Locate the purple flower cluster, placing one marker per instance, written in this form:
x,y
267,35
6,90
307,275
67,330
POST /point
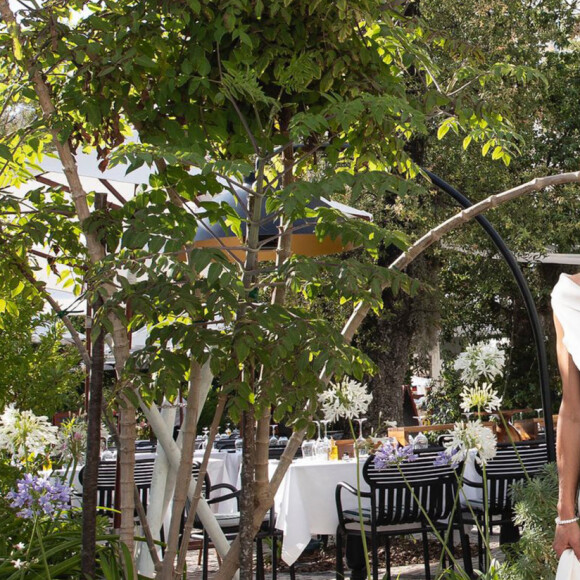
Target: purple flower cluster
x,y
36,495
389,455
446,457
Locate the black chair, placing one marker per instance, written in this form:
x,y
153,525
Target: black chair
x,y
145,446
513,462
230,525
107,478
394,511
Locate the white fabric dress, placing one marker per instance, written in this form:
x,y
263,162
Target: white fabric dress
x,y
566,307
568,567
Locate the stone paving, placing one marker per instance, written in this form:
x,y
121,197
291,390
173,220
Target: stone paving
x,y
415,571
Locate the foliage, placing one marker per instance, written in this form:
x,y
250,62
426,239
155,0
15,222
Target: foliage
x,y
535,506
232,88
56,554
37,372
41,532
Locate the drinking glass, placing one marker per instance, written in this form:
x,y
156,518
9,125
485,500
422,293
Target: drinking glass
x,y
273,439
308,449
361,441
323,448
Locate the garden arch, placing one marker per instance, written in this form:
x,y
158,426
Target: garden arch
x,y
529,303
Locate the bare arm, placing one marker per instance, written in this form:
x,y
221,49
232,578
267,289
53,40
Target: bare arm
x,y
568,448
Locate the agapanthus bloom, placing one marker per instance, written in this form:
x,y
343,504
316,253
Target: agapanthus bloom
x,y
388,455
482,360
37,495
72,439
445,457
467,436
24,434
482,398
348,399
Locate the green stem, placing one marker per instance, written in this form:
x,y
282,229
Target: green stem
x,y
21,571
41,544
429,521
486,513
359,503
505,426
468,504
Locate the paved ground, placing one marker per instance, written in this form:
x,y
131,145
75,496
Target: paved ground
x,y
416,571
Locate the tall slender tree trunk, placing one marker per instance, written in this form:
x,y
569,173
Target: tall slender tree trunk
x,y
90,475
248,433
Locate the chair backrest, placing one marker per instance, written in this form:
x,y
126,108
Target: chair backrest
x,y
143,478
195,467
107,477
512,463
392,502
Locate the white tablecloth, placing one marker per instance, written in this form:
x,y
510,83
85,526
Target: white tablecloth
x,y
221,468
231,461
305,503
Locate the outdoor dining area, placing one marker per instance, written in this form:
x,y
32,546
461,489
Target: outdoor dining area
x,y
336,487
289,288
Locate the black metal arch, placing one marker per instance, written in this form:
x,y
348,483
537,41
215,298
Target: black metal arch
x,y
530,307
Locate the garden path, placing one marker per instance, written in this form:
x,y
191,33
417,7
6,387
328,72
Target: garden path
x,y
409,572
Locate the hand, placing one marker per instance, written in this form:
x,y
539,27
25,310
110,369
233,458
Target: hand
x,y
567,536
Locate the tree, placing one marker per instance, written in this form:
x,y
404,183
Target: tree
x,y
231,88
37,371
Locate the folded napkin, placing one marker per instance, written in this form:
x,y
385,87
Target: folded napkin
x,y
568,567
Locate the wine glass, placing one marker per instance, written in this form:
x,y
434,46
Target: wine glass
x,y
273,439
318,425
325,422
541,426
361,441
323,443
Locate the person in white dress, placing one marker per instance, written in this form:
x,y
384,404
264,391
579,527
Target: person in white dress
x,y
566,308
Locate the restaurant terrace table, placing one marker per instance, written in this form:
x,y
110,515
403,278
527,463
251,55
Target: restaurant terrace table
x,y
305,502
231,461
221,468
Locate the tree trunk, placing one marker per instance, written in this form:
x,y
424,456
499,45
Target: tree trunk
x,y
389,339
246,535
90,475
188,432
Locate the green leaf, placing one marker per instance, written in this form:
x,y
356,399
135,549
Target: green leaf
x,y
5,152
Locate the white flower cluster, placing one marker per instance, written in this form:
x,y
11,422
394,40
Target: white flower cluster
x,y
482,360
471,435
348,399
24,434
72,439
482,398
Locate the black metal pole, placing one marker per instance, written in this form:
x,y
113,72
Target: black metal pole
x,y
530,307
